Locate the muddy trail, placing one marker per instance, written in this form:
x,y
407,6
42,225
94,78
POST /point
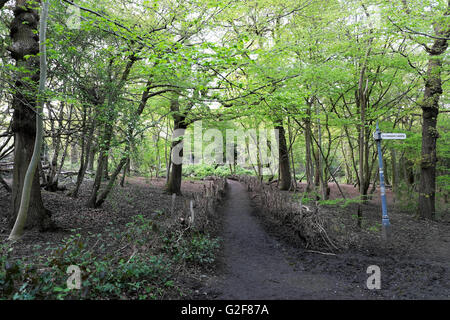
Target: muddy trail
x,y
257,264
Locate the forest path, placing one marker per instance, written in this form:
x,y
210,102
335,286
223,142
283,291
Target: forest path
x,y
256,265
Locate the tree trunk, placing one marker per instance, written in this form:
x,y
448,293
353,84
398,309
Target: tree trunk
x,y
283,155
291,149
85,154
308,144
96,200
97,182
106,166
174,183
25,42
126,169
430,108
92,150
316,167
321,160
52,183
387,180
104,194
73,153
348,172
394,169
99,174
179,120
158,156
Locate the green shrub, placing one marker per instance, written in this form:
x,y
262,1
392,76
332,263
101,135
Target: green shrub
x,y
198,249
202,171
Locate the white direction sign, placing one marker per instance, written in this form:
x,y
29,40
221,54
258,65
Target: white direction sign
x,y
393,136
390,136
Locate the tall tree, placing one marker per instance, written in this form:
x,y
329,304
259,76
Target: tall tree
x,y
430,111
422,28
24,50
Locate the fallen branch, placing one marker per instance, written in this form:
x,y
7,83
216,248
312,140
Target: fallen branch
x,y
324,253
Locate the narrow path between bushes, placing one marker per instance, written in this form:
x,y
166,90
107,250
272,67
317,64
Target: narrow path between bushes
x,y
256,266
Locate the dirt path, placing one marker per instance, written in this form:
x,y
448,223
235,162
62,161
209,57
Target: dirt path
x,y
256,265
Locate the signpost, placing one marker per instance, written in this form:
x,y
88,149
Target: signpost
x,y
378,136
393,136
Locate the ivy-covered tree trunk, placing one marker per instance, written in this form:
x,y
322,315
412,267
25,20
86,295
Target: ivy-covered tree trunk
x,y
25,43
430,108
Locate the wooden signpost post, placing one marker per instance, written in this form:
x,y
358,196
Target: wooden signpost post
x,y
378,136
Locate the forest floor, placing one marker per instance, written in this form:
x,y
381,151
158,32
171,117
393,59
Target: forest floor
x,y
140,196
260,258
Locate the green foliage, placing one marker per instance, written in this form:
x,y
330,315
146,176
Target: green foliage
x,y
375,228
443,165
202,171
114,264
289,62
340,201
196,249
406,199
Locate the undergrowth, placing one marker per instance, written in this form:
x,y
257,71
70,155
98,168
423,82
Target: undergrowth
x,y
140,262
202,171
